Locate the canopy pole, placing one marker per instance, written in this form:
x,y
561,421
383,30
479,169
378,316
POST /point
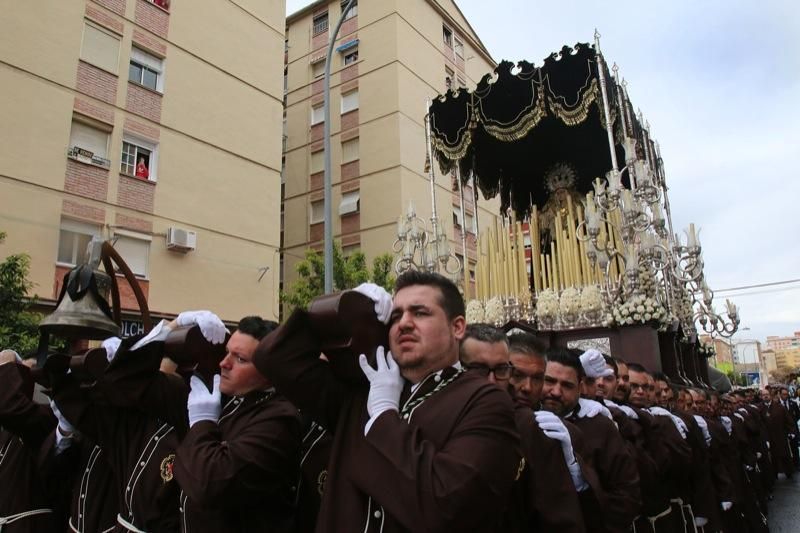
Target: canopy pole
x,y
431,176
606,108
465,254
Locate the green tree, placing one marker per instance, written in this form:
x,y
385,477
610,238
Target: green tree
x,y
18,324
348,272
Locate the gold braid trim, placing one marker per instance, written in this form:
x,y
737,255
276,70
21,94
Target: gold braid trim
x,y
576,115
520,128
451,152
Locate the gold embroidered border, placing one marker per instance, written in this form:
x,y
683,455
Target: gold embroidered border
x,y
522,127
576,115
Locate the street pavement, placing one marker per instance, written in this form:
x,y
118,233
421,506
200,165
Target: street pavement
x,y
784,509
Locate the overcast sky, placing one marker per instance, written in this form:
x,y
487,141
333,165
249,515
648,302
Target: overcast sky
x,y
719,82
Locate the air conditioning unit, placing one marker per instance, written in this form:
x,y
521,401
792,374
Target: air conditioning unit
x,y
181,240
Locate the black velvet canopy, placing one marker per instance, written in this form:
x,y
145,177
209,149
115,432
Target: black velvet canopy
x,y
526,131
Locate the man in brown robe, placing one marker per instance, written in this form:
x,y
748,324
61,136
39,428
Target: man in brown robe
x,y
780,427
545,495
26,504
608,452
423,446
237,459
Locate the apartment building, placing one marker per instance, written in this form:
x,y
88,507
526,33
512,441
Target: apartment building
x,y
155,123
389,57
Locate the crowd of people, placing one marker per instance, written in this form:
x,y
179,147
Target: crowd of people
x,y
454,427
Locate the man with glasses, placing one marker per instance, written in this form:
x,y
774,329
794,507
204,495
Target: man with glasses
x,y
545,495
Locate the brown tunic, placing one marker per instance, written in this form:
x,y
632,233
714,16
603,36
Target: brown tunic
x,y
442,465
94,495
543,497
140,449
239,474
24,431
620,499
779,426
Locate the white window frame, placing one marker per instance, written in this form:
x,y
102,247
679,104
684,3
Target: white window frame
x,y
148,61
318,64
317,27
350,204
320,216
83,153
75,228
345,99
353,10
447,39
351,142
349,54
311,162
458,46
319,111
141,238
114,68
146,145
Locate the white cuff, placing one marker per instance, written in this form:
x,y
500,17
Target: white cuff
x,y
62,441
577,477
158,333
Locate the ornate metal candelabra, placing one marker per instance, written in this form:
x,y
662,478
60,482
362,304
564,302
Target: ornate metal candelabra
x,y
422,249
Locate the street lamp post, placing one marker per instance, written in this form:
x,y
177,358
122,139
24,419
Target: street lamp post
x,y
326,144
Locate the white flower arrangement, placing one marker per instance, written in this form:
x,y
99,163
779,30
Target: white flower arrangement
x,y
647,281
591,299
547,305
495,312
475,312
639,309
570,302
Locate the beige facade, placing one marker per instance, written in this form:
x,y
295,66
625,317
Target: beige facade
x,y
390,57
787,358
775,342
125,118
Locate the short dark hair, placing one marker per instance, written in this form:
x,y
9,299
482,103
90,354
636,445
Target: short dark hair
x,y
484,333
636,367
612,363
256,327
566,357
660,376
451,301
526,343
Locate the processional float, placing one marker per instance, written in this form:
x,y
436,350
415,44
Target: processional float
x,y
586,252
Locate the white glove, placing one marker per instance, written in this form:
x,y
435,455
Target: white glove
x,y
554,428
385,383
726,506
591,408
679,424
700,521
629,412
111,346
742,410
704,428
382,299
202,404
7,356
210,324
740,417
767,443
594,365
726,421
758,454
